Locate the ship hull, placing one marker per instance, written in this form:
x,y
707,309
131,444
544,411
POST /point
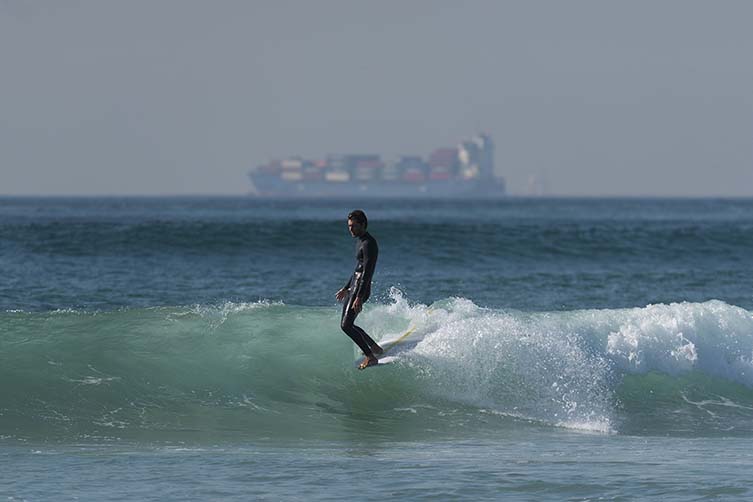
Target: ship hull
x,y
273,187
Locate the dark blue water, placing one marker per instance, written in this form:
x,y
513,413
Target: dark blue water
x,y
104,254
563,349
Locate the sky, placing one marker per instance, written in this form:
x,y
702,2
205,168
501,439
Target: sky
x,y
163,97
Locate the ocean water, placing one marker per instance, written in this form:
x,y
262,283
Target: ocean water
x,y
562,349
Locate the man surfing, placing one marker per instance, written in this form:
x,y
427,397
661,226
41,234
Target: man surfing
x,y
358,288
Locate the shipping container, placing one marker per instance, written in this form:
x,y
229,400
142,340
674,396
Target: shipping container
x,y
293,164
309,167
369,164
292,176
364,174
391,172
414,176
444,157
439,175
337,176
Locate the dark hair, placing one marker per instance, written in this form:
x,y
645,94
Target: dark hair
x,y
359,216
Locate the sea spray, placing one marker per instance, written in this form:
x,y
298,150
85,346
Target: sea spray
x,y
516,364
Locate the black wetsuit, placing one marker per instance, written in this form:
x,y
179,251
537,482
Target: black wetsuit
x,y
359,286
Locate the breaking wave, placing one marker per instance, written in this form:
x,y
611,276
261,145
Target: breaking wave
x,y
270,370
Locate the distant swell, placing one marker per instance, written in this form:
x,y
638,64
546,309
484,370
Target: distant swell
x,y
515,240
264,370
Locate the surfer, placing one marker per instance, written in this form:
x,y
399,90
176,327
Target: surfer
x,y
358,288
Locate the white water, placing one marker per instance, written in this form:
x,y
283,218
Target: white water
x,y
563,368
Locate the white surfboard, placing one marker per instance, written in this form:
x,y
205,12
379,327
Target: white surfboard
x,y
387,360
389,346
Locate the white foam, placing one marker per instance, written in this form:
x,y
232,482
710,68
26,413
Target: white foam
x,y
92,380
563,368
711,337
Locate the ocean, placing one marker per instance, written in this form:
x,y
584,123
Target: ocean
x,y
562,349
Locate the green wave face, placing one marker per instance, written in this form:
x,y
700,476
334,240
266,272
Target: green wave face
x,y
272,371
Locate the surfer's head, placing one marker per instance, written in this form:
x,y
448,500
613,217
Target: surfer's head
x,y
357,223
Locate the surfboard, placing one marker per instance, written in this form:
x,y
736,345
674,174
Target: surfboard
x,y
392,347
388,345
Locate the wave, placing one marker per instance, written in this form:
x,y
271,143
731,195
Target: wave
x,y
270,370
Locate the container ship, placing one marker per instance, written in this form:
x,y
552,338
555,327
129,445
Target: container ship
x,y
464,171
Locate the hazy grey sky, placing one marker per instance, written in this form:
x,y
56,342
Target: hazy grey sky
x,y
178,96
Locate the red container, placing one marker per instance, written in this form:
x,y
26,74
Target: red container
x,y
443,157
414,176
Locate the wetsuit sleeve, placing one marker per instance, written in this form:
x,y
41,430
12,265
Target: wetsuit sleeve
x,y
370,252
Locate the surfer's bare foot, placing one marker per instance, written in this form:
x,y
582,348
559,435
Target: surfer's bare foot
x,y
368,361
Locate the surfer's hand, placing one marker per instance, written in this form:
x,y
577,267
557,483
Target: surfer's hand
x,y
341,294
357,305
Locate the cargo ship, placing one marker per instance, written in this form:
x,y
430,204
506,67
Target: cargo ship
x,y
463,171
